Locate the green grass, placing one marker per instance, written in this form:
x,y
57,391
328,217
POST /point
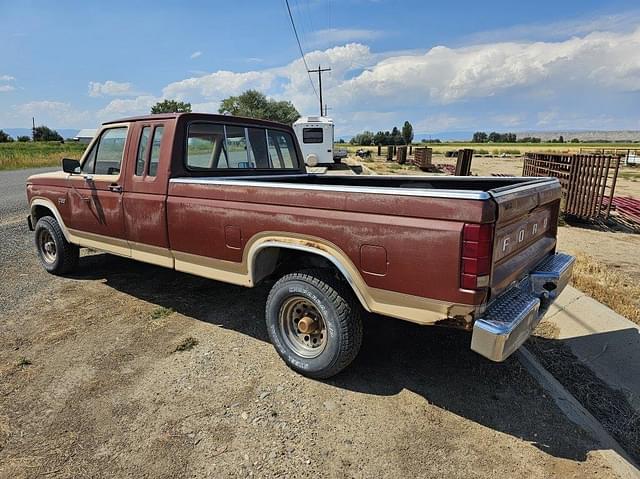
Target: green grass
x,y
22,362
630,175
17,155
161,312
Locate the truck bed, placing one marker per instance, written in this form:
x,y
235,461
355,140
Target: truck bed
x,y
476,184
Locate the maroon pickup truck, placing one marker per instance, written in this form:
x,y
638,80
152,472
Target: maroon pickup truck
x,y
229,199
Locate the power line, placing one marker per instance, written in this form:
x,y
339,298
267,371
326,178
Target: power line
x,y
304,60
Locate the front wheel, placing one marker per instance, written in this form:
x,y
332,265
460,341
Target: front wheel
x,y
56,254
314,322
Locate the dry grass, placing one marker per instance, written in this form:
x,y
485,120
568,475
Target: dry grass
x,y
32,155
609,406
608,286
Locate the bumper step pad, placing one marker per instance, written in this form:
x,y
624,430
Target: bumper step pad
x,y
509,319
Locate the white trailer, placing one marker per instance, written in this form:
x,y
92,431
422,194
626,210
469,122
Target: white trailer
x,y
315,135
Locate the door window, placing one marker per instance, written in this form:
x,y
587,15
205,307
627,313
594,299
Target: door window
x,y
109,151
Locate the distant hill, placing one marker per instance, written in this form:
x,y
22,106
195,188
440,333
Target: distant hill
x,y
64,132
584,135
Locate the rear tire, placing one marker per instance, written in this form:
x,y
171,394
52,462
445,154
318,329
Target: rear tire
x,y
314,322
56,254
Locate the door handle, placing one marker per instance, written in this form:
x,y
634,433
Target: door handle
x,y
116,188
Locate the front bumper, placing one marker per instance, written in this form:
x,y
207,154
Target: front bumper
x,y
511,317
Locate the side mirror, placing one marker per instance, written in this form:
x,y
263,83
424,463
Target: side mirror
x,y
70,166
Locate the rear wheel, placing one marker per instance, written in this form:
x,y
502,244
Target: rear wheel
x,y
314,322
56,254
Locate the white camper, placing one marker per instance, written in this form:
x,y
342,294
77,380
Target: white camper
x,y
315,135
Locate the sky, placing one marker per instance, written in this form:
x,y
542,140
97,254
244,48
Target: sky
x,y
444,66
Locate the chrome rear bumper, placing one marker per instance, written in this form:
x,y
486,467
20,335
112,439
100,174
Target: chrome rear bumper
x,y
511,317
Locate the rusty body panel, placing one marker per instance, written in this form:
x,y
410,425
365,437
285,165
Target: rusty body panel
x,y
398,241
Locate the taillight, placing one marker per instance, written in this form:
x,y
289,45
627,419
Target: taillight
x,y
476,255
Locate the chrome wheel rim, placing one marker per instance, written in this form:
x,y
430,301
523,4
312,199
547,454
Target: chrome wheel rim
x,y
302,327
47,246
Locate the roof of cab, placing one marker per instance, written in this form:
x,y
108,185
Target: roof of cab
x,y
198,116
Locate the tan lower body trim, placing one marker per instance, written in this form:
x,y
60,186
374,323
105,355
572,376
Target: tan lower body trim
x,y
212,268
152,254
389,303
103,243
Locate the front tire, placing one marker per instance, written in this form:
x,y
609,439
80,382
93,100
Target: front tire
x,y
56,254
314,322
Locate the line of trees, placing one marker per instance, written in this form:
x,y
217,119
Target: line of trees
x,y
40,133
396,136
495,137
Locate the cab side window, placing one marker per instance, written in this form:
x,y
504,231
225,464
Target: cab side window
x,y
142,150
155,151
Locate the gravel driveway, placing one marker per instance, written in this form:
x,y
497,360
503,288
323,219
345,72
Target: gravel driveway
x,y
129,370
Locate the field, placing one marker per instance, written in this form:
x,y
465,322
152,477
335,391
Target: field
x,y
31,155
497,149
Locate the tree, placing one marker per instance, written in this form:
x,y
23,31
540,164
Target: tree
x,y
575,140
363,139
560,139
480,137
407,133
5,138
255,104
171,106
44,133
23,139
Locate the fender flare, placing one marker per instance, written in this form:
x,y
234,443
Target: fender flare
x,y
56,214
256,248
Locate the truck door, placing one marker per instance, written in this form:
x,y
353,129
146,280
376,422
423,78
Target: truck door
x,y
95,196
145,192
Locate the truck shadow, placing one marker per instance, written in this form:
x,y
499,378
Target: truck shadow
x,y
434,363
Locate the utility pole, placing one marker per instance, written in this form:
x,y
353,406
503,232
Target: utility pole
x,y
326,110
319,72
33,128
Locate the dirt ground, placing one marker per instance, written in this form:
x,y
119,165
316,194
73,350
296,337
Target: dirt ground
x,y
128,370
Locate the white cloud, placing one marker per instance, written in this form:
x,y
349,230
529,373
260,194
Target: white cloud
x,y
110,88
333,36
217,85
117,108
7,78
56,113
5,88
195,55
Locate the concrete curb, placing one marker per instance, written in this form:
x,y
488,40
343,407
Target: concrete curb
x,y
613,453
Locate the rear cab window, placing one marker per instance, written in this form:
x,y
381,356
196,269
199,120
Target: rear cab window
x,y
213,147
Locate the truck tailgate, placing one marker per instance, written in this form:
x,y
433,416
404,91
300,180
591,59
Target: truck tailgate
x,y
525,230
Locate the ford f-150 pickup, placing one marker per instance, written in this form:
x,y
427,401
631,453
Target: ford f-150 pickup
x,y
229,199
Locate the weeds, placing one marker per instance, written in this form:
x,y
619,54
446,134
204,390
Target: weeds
x,y
186,344
161,313
22,362
608,286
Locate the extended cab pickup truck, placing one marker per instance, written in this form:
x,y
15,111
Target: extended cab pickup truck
x,y
229,199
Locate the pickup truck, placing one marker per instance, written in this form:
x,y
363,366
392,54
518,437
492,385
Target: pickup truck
x,y
229,199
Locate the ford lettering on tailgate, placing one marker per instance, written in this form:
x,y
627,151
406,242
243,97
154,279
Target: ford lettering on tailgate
x,y
516,236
